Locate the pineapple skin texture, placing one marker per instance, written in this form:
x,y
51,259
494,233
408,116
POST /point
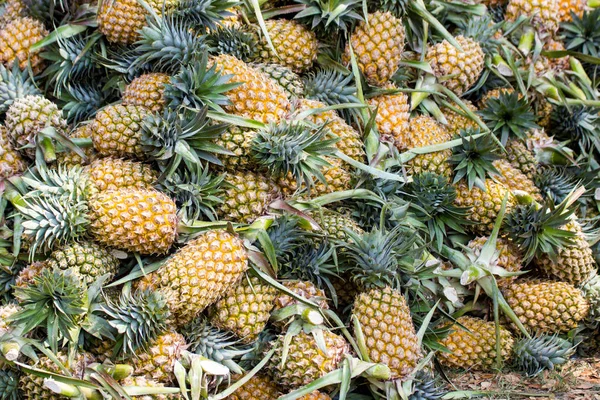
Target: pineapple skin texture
x,y
16,38
259,387
147,91
377,47
514,179
237,140
545,13
458,122
157,360
566,7
425,131
520,157
388,329
393,114
11,162
112,174
546,306
142,221
116,131
475,349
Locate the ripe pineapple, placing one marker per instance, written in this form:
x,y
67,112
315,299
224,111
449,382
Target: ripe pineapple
x,y
258,387
136,220
425,131
521,157
72,159
245,310
393,113
514,179
199,273
11,10
304,289
464,66
26,117
377,46
295,45
484,205
566,7
459,121
305,361
112,174
156,361
258,97
545,306
337,179
16,38
116,131
545,13
147,91
11,162
237,140
475,347
509,256
246,196
88,261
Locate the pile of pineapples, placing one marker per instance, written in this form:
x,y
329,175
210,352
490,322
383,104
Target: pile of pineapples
x,y
313,199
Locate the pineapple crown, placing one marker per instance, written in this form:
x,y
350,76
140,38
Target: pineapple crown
x,y
51,12
167,44
432,200
71,183
509,116
539,229
582,34
173,138
557,182
425,387
483,29
198,86
580,124
497,12
15,84
376,258
119,62
311,261
203,13
293,148
591,291
536,354
53,300
138,319
233,41
286,236
214,344
9,384
332,87
328,16
81,101
397,7
194,189
473,161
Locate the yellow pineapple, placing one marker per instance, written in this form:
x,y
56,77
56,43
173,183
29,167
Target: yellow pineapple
x,y
393,113
157,360
11,162
147,91
566,7
259,387
426,131
514,179
12,9
458,121
545,13
16,38
116,131
111,174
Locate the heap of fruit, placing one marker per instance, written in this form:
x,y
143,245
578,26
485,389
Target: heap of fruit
x,y
294,198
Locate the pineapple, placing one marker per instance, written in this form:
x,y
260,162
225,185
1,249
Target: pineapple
x,y
157,359
258,387
15,84
285,77
11,162
295,45
463,67
393,112
546,307
237,140
484,205
514,179
16,38
305,289
245,309
112,174
246,196
316,395
258,97
147,91
11,9
458,121
521,157
116,131
72,159
136,220
26,117
199,273
336,177
509,256
566,7
305,360
334,224
29,273
474,346
495,94
377,46
88,261
545,14
425,131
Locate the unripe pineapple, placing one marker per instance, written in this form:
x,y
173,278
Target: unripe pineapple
x,y
295,45
545,306
199,273
393,113
135,220
474,348
16,38
574,263
157,360
258,97
116,131
425,131
147,91
245,309
71,159
284,76
112,174
544,13
11,162
32,386
521,157
26,117
305,361
259,387
459,121
484,206
514,179
465,66
566,7
509,256
591,291
377,46
247,196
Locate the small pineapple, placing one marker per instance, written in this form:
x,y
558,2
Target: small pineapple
x,y
474,348
377,46
393,113
147,91
116,131
112,174
11,162
16,39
